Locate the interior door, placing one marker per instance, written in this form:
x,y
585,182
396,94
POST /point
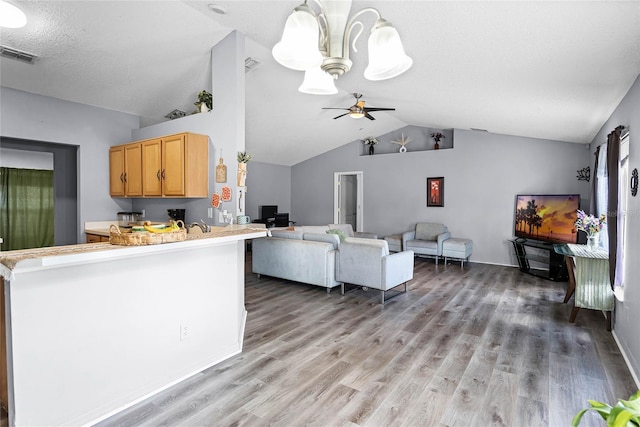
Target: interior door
x,y
348,199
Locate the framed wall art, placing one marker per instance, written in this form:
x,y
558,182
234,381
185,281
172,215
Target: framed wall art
x,y
435,192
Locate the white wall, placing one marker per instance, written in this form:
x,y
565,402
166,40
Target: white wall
x,y
20,159
483,174
39,118
626,313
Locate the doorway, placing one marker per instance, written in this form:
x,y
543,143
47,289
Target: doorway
x,y
347,199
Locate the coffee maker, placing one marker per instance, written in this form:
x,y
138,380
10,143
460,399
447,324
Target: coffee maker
x,y
176,214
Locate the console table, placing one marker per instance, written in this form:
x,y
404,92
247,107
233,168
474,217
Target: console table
x,y
551,264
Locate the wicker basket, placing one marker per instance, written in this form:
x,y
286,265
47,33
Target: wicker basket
x,y
139,238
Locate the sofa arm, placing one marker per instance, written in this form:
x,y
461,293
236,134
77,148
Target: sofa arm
x,y
397,268
364,235
406,236
441,238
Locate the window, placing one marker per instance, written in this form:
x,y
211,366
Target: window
x,y
623,199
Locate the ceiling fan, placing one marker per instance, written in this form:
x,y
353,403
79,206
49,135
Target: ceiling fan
x,y
358,110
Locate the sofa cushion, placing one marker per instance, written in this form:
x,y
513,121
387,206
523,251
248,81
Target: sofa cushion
x,y
429,231
341,234
327,238
379,243
321,229
286,234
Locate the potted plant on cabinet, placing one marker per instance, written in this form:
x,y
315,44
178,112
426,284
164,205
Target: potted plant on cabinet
x,y
205,102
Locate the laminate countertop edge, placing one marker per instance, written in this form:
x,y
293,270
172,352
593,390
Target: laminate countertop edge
x,y
92,252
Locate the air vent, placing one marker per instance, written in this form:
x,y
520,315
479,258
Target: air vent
x,y
250,64
18,55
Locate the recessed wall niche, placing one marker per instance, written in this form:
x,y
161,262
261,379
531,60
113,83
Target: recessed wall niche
x,y
416,138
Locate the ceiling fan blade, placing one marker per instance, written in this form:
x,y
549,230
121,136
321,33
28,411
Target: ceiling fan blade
x,y
379,109
369,116
337,117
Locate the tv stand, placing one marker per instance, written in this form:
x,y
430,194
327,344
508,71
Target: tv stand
x,y
551,265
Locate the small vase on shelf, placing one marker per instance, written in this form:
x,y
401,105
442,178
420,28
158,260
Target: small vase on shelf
x,y
592,242
371,149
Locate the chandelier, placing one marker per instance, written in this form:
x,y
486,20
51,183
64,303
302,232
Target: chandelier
x,y
318,44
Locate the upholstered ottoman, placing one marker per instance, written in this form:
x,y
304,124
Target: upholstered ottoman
x,y
394,242
459,249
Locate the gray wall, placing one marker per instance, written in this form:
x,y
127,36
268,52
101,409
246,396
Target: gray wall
x,y
35,119
224,125
626,313
268,185
483,174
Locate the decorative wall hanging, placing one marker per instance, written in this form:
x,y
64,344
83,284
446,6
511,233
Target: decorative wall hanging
x,y
435,192
215,200
634,182
402,142
221,170
243,159
584,174
226,194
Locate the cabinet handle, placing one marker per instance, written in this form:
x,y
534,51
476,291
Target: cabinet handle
x,y
158,175
163,176
125,177
122,177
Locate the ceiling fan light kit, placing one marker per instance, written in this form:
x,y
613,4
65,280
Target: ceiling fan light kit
x,y
321,40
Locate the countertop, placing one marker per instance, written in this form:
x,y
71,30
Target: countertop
x,y
90,251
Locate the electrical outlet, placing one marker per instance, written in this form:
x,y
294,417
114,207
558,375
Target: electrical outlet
x,y
143,212
185,332
220,217
210,212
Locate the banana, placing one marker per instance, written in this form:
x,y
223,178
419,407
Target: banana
x,y
173,227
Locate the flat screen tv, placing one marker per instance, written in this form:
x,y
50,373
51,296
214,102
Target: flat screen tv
x,y
268,212
547,217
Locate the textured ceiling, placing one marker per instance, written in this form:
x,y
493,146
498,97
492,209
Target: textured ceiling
x,y
542,69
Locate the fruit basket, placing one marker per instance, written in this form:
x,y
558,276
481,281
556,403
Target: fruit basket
x,y
148,234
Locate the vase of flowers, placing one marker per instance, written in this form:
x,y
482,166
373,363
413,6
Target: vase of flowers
x,y
243,159
370,141
437,136
590,225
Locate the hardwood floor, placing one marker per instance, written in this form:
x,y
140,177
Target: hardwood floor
x,y
482,346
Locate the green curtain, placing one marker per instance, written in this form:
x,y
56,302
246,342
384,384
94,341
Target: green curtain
x,y
26,208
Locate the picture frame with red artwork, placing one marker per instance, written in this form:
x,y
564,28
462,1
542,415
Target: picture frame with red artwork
x,y
435,192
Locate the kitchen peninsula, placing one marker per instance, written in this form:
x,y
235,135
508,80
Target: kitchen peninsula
x,y
92,329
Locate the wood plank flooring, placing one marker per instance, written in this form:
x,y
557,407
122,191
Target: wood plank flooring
x,y
480,346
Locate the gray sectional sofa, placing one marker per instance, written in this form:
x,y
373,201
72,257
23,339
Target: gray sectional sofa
x,y
310,255
297,256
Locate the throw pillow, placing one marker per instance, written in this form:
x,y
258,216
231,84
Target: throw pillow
x,y
339,233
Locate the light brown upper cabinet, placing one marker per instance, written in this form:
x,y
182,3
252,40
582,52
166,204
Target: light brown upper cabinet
x,y
175,166
125,170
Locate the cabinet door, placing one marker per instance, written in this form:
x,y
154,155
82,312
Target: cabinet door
x,y
93,238
116,171
133,170
173,165
152,168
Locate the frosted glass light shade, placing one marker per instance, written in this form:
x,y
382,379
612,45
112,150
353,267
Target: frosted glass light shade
x,y
387,58
11,16
298,47
357,115
318,82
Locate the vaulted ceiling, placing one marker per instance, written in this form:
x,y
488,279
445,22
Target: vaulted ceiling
x,y
542,69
